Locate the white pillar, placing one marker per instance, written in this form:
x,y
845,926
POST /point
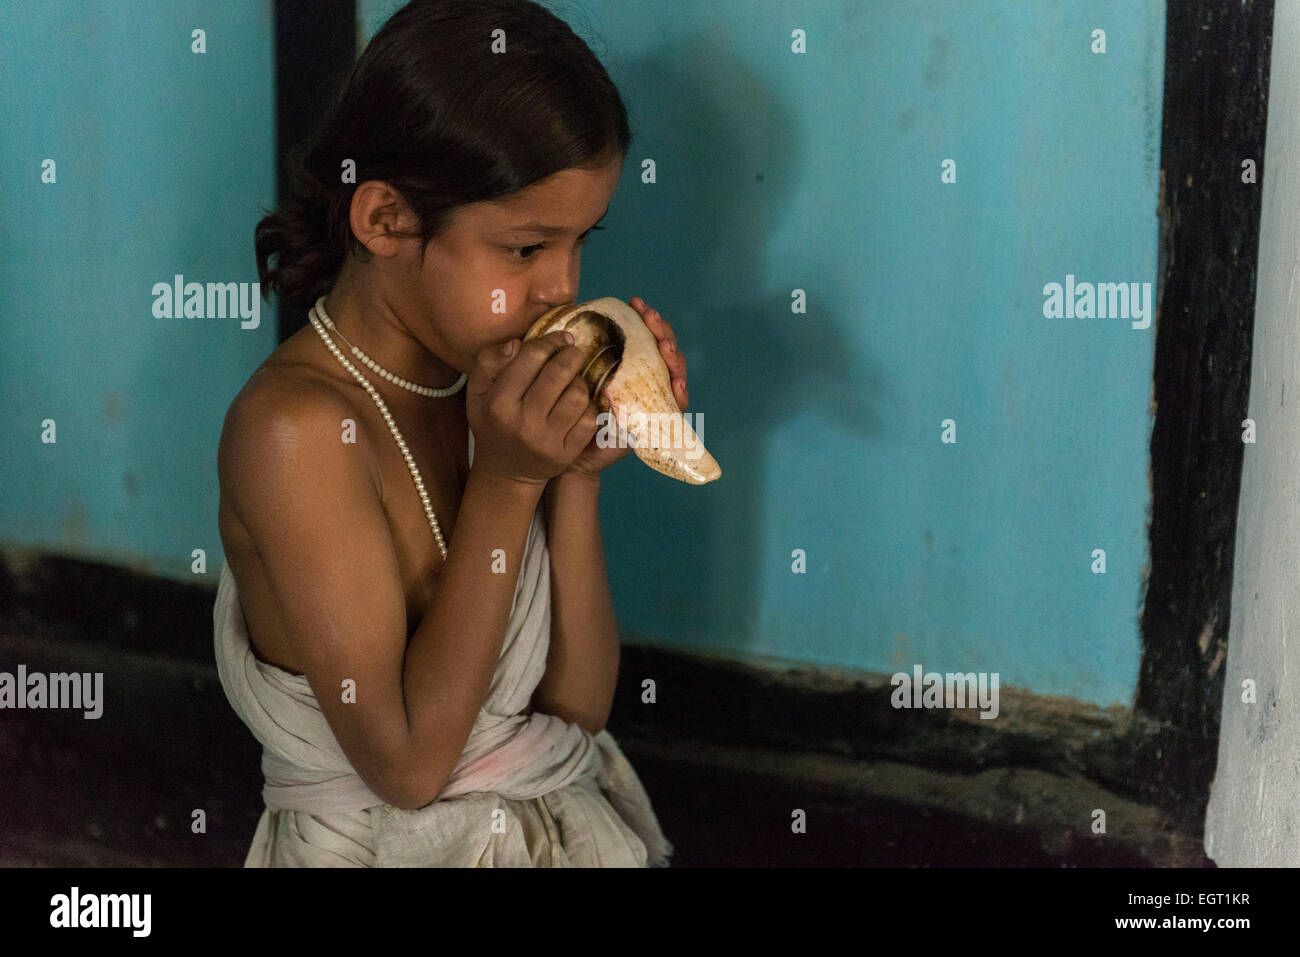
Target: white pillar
x,y
1254,814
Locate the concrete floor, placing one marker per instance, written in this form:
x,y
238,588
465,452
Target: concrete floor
x,y
121,790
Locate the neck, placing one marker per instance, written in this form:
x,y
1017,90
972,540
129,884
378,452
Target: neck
x,y
371,324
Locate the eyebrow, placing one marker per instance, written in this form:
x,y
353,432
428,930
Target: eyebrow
x,y
547,230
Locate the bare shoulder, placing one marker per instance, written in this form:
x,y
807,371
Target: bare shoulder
x,y
287,418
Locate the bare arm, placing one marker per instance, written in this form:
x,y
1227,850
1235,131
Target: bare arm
x,y
582,662
308,501
455,651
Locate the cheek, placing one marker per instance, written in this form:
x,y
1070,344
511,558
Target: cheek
x,y
480,304
478,326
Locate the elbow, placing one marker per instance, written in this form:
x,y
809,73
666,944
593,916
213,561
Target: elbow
x,y
424,767
418,787
393,792
592,724
411,797
397,779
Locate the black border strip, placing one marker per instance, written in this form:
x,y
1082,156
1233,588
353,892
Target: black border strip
x,y
1216,100
315,46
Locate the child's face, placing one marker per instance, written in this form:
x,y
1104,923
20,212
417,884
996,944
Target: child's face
x,y
489,276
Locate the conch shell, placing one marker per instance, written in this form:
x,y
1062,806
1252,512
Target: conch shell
x,y
627,378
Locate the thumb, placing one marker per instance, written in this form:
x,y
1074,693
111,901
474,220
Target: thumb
x,y
491,359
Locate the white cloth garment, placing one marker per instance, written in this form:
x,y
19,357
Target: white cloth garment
x,y
568,798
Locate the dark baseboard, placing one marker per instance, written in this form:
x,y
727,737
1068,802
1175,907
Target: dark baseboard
x,y
118,606
845,714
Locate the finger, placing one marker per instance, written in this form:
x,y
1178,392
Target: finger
x,y
584,430
657,323
660,327
668,349
570,404
547,391
673,357
518,375
667,339
653,316
488,363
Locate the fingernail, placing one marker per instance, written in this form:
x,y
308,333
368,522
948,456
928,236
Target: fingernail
x,y
671,347
569,336
508,349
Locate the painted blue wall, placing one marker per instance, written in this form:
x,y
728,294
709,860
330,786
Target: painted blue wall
x,y
163,157
776,172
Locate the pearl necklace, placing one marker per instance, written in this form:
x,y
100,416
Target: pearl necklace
x,y
388,417
370,363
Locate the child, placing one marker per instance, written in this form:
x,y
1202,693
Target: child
x,y
414,618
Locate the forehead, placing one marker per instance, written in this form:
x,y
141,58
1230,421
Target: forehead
x,y
571,198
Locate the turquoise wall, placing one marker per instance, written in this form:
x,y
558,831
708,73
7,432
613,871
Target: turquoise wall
x,y
821,171
162,159
775,172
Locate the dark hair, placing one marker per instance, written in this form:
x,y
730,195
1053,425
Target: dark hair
x,y
430,109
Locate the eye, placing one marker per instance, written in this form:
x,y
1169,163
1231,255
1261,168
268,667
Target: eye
x,y
517,252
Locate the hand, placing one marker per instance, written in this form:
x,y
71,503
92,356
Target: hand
x,y
593,459
531,412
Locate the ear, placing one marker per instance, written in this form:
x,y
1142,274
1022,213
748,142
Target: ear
x,y
380,217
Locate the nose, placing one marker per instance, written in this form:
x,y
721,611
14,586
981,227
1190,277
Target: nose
x,y
556,296
559,285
